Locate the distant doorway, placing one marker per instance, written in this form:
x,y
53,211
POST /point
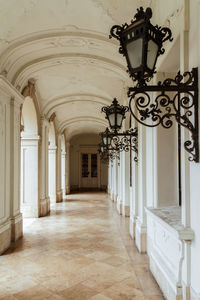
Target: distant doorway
x,y
90,170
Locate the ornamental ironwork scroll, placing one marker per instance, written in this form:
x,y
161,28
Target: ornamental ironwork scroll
x,y
124,141
175,99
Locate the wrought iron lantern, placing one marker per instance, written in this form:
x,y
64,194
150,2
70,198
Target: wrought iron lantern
x,y
176,98
115,114
141,43
106,138
114,141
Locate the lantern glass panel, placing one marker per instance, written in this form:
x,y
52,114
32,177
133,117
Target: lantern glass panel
x,y
151,54
134,50
119,120
112,120
109,140
104,140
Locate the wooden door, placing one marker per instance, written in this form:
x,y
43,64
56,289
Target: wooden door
x,y
89,170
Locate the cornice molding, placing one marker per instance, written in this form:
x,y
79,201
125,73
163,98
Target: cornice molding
x,y
7,88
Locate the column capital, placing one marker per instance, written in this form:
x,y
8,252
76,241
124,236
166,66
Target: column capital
x,y
44,121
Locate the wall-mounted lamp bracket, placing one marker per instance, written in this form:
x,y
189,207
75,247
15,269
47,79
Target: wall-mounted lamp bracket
x,y
114,142
182,105
126,141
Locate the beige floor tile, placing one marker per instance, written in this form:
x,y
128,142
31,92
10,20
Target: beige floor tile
x,y
38,292
81,251
99,297
78,292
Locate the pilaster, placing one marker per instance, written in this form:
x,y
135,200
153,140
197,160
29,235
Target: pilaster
x,y
120,190
63,154
59,192
67,170
15,214
44,206
126,183
141,228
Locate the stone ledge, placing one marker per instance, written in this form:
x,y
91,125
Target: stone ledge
x,y
170,217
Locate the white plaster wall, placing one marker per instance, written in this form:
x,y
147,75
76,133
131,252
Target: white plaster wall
x,y
167,156
194,61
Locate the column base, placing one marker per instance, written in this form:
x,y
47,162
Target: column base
x,y
115,198
59,196
119,208
126,211
5,236
141,237
67,190
16,227
112,197
132,227
44,207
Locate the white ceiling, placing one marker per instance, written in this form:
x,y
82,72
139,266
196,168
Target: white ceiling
x,y
64,46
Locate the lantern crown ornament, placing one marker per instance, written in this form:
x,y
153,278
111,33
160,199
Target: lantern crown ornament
x,y
141,43
115,114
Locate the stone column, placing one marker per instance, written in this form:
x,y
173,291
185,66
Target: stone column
x,y
125,183
63,154
141,228
119,197
67,173
112,181
10,215
134,197
59,192
15,143
52,172
115,180
44,186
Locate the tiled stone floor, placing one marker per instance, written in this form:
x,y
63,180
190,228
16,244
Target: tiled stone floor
x,y
81,251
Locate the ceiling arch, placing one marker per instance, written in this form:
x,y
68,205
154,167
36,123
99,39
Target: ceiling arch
x,y
76,68
55,103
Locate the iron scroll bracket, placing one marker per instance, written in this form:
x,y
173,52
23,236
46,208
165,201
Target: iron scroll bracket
x,y
126,141
122,141
173,99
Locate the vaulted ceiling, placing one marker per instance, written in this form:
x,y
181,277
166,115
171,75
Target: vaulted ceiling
x,y
64,47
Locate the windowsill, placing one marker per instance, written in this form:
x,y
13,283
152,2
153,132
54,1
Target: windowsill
x,y
170,217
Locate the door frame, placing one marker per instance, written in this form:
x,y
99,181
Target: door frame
x,y
89,150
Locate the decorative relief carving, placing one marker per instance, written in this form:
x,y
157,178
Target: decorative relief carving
x,y
29,89
77,42
52,117
167,245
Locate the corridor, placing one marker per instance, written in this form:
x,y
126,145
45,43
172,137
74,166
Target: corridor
x,y
81,251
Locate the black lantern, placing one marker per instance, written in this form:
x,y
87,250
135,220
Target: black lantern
x,y
115,113
106,138
141,43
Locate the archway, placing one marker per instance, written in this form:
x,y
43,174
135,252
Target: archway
x,y
29,159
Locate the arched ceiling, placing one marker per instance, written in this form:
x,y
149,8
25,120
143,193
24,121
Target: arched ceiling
x,y
64,47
